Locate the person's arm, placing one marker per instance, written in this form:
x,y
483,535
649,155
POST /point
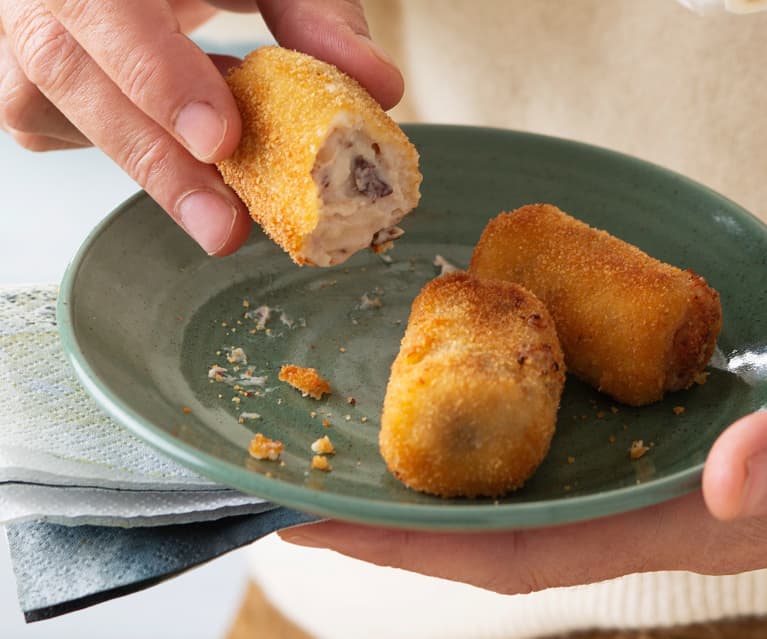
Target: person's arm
x,y
123,76
721,530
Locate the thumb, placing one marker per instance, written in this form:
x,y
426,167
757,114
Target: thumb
x,y
336,31
735,474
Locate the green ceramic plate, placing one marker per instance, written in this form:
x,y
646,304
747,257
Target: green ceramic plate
x,y
144,314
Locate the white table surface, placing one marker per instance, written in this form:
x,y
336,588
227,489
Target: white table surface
x,y
49,204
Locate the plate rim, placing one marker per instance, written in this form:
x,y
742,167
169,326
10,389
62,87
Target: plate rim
x,y
436,516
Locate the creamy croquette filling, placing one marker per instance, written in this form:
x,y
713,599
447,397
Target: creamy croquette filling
x,y
360,197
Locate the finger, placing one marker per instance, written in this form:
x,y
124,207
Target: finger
x,y
140,46
192,192
735,474
191,13
26,110
679,535
39,143
336,31
224,63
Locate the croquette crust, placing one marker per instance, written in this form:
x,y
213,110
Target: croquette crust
x,y
471,403
289,102
630,325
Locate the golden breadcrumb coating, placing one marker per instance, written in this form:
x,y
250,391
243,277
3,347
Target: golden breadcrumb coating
x,y
630,325
290,103
307,380
472,399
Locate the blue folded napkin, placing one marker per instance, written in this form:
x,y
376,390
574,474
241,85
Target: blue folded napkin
x,y
60,569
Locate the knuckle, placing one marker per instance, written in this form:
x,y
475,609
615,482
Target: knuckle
x,y
146,160
140,74
46,52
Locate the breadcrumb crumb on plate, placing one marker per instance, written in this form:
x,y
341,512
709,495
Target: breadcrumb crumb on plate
x,y
638,449
306,380
262,447
323,446
320,462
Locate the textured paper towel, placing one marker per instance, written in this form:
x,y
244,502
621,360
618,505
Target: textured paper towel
x,y
62,459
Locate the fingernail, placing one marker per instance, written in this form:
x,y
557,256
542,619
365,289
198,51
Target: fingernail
x,y
377,50
201,128
208,218
755,492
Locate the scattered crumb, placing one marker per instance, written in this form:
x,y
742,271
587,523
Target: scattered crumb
x,y
260,316
363,419
566,488
245,304
678,410
216,372
252,380
614,410
351,401
638,449
306,380
444,266
237,356
600,414
341,349
245,416
236,400
367,302
313,414
284,319
611,439
701,378
326,423
186,410
321,463
348,418
571,460
262,447
385,258
323,446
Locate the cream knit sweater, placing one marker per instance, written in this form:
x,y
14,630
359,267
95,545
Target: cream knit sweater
x,y
646,77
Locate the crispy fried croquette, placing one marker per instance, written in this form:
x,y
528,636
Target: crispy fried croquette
x,y
306,380
472,399
630,325
320,166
